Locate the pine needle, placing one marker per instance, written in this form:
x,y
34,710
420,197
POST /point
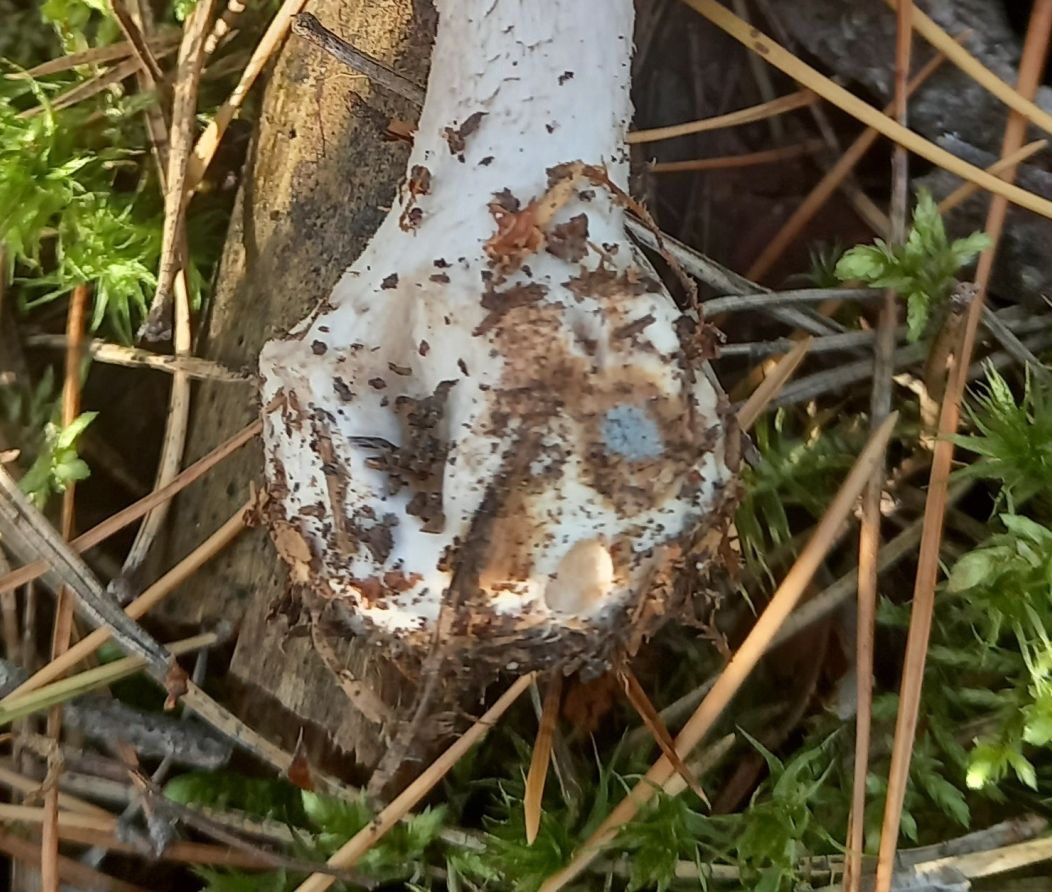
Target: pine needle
x,y
966,190
829,183
779,106
1014,98
748,159
133,512
654,724
772,384
541,757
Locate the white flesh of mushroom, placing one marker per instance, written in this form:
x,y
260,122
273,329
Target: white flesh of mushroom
x,y
516,409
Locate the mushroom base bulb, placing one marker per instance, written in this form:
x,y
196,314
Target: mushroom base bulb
x,y
497,429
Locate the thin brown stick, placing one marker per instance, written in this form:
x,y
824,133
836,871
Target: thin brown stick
x,y
133,512
137,358
365,839
825,187
779,106
181,139
748,159
142,604
140,47
1035,50
743,661
540,758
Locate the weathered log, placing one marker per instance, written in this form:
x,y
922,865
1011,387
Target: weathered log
x,y
320,173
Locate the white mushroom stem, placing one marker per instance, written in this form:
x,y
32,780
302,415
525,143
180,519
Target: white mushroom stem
x,y
496,409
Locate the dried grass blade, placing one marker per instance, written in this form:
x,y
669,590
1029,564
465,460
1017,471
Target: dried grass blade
x,y
743,661
541,757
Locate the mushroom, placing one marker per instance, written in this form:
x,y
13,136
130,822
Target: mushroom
x,y
496,428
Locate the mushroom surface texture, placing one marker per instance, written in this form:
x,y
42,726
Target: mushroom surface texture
x,y
498,427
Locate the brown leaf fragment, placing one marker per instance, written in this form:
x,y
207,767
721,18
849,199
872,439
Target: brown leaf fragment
x,y
299,773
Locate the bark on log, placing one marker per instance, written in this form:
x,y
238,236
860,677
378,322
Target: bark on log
x,y
318,177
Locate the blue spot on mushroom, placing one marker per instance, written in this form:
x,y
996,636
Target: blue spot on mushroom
x,y
631,433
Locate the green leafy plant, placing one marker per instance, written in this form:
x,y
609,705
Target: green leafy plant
x,y
321,825
1013,440
795,472
57,465
922,270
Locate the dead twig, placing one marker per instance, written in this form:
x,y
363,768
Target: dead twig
x,y
135,357
158,325
869,541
